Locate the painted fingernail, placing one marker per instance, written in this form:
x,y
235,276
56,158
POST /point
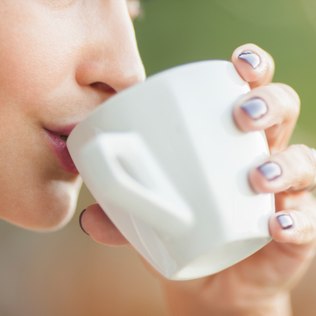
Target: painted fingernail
x,y
80,223
270,170
255,108
250,58
285,221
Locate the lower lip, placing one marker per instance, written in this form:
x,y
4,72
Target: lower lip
x,y
61,151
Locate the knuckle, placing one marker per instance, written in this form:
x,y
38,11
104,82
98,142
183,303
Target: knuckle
x,y
298,149
307,230
292,100
307,154
300,165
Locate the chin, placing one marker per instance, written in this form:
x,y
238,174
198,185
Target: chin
x,y
61,209
60,218
51,212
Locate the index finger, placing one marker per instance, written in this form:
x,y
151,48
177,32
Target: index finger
x,y
253,64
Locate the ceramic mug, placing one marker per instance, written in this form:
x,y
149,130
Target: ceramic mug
x,y
167,164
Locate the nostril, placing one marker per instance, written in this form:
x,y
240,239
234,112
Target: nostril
x,y
103,87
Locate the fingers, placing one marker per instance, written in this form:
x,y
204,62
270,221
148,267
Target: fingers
x,y
274,108
254,64
292,169
293,227
99,227
270,107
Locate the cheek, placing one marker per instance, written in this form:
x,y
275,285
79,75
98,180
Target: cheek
x,y
36,54
29,76
33,194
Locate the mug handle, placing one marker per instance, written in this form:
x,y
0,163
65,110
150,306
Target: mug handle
x,y
120,154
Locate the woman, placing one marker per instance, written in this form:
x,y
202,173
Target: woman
x,y
59,59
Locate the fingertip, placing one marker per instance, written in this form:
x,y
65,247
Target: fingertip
x,y
266,177
88,217
95,223
282,227
81,222
248,114
293,227
255,180
253,64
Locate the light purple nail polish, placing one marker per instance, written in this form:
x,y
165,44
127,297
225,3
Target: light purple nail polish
x,y
270,170
255,108
251,58
285,221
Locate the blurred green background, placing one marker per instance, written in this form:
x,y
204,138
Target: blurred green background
x,y
174,32
65,273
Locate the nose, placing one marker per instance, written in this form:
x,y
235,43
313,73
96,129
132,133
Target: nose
x,y
110,60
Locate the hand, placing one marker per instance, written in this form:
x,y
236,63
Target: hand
x,y
259,285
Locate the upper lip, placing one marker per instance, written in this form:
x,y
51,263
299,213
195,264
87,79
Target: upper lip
x,y
62,131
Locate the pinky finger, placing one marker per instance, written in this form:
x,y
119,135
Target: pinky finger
x,y
293,227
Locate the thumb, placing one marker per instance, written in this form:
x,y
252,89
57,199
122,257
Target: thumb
x,y
94,222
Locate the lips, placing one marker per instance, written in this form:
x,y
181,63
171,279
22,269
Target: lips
x,y
57,140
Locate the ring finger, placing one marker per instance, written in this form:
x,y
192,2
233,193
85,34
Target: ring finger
x,y
292,169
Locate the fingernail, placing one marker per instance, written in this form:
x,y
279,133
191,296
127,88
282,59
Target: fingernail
x,y
251,58
285,221
255,108
270,170
80,218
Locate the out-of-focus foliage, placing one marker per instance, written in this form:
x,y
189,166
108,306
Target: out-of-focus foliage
x,y
173,32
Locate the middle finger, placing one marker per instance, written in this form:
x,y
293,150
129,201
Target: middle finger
x,y
273,108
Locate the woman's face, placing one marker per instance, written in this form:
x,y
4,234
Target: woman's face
x,y
59,59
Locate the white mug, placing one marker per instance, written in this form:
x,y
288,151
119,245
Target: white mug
x,y
167,164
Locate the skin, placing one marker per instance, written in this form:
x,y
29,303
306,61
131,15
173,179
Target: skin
x,y
62,58
261,284
268,276
58,61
